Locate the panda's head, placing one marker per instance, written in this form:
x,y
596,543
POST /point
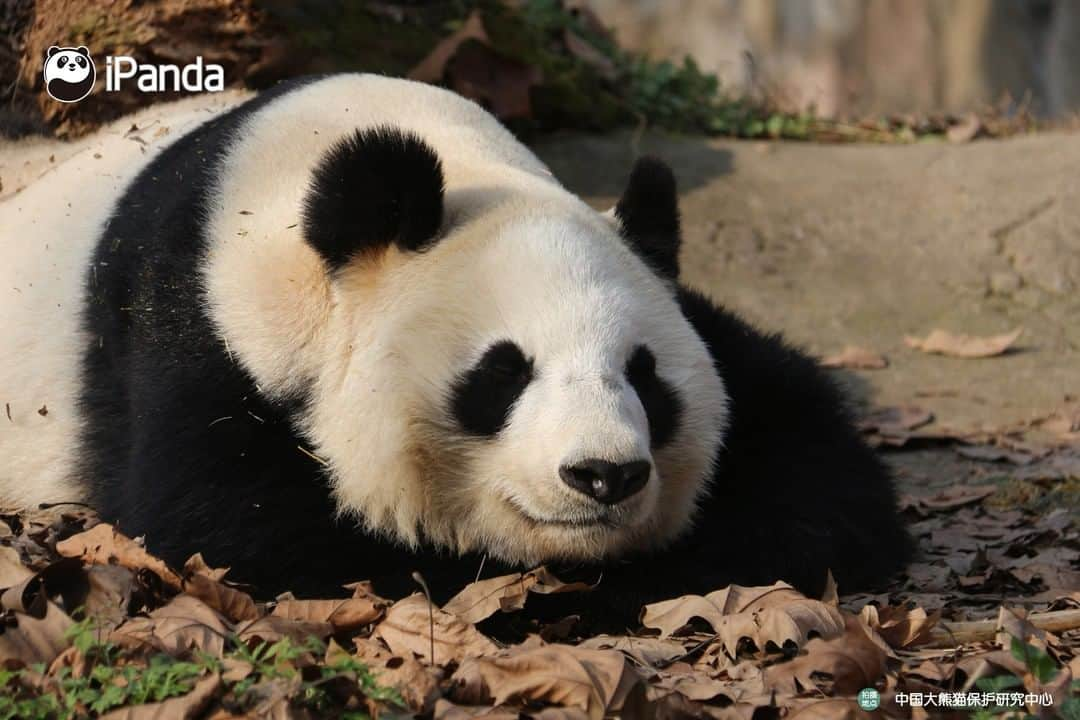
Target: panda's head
x,y
506,372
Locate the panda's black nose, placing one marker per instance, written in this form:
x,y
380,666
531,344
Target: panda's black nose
x,y
604,481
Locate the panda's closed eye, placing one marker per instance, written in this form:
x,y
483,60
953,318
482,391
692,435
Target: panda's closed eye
x,y
505,360
483,396
662,404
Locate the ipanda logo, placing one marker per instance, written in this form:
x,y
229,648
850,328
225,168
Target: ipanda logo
x,y
70,74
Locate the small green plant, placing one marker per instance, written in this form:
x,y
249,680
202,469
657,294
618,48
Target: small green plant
x,y
1037,662
276,661
114,678
1041,666
110,682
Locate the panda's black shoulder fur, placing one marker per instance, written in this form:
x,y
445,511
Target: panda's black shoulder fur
x,y
181,446
797,491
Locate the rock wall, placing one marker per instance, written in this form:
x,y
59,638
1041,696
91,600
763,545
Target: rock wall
x,y
850,57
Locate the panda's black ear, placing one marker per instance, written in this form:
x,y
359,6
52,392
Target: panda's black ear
x,y
648,213
374,188
53,50
82,50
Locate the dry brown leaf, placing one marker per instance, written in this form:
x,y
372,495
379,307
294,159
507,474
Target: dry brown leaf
x,y
966,130
406,629
344,615
842,665
234,670
992,453
196,565
230,602
482,599
598,682
895,420
364,589
185,624
548,584
433,67
469,65
929,577
942,342
272,628
1058,578
446,710
104,545
184,707
900,627
272,699
27,597
856,358
506,593
699,687
953,497
827,709
776,614
675,705
25,640
499,83
1064,422
1012,624
417,683
646,651
830,594
108,595
12,571
585,51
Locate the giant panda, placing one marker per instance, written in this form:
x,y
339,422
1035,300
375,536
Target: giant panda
x,y
352,328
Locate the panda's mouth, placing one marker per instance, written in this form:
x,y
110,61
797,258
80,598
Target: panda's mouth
x,y
606,521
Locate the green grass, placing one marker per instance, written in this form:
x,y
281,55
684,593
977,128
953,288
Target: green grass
x,y
117,678
1043,668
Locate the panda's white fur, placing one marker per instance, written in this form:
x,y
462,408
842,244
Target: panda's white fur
x,y
519,257
48,231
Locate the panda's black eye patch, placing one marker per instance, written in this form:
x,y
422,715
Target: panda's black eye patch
x,y
62,60
483,396
81,61
662,405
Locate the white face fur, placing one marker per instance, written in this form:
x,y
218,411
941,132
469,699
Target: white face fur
x,y
578,304
381,345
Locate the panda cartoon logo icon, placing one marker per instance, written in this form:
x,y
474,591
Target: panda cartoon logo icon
x,y
69,73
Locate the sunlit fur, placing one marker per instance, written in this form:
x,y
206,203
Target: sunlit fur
x,y
379,343
208,379
376,345
47,234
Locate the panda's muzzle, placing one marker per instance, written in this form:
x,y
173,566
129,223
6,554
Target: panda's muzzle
x,y
607,482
